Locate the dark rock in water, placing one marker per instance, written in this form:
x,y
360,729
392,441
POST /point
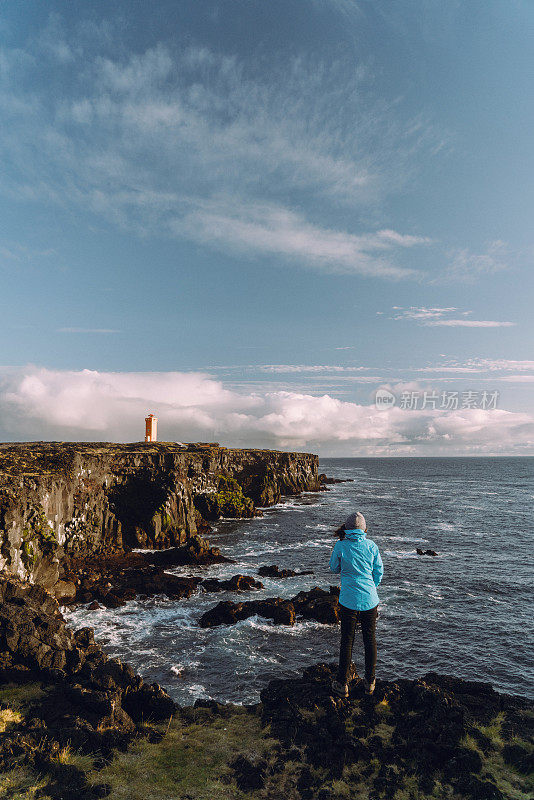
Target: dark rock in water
x,y
282,612
315,604
425,552
323,478
237,583
318,605
114,580
196,551
274,571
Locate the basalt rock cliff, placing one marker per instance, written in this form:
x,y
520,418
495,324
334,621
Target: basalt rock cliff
x,y
62,500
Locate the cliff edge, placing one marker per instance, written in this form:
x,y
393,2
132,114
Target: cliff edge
x,y
77,499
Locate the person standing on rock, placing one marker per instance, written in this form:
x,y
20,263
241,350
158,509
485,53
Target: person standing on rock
x,y
357,559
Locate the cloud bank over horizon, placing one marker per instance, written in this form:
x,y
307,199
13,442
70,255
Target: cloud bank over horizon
x,y
39,403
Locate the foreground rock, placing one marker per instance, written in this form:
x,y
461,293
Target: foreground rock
x,y
93,702
273,571
430,738
316,604
429,734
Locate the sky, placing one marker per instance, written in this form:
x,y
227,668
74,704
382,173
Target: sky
x,y
249,216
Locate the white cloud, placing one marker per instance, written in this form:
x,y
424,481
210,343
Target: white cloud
x,y
307,368
481,365
469,323
40,403
52,41
468,267
441,317
503,363
422,314
275,230
193,144
87,330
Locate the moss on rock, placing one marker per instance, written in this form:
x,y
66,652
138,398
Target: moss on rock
x,y
227,501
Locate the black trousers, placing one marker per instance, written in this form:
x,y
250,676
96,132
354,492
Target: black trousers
x,y
367,619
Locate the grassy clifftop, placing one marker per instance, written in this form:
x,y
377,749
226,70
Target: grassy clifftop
x,y
76,724
325,750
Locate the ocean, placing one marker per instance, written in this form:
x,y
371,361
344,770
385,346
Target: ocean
x,y
467,612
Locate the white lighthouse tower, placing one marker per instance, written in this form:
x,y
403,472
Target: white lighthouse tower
x,y
151,428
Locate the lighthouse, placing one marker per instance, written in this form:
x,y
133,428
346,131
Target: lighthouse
x,y
151,428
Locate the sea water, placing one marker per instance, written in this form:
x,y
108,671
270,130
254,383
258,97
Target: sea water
x,y
467,612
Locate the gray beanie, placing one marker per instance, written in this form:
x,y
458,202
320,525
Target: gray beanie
x,y
353,521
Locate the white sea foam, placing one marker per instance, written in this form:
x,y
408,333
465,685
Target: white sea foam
x,y
197,690
401,553
320,527
258,623
406,539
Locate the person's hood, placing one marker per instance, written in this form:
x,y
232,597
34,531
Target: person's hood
x,y
357,533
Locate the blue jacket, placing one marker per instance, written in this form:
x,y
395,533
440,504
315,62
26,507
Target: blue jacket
x,y
358,560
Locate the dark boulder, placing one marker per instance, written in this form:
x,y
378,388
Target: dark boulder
x,y
237,583
519,757
196,550
282,612
112,581
319,605
324,479
92,700
316,604
249,773
273,571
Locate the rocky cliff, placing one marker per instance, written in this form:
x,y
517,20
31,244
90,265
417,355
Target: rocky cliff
x,y
86,499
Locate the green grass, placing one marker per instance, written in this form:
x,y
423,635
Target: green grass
x,y
22,784
511,783
18,697
191,761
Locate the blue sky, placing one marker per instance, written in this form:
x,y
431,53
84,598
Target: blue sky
x,y
248,216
